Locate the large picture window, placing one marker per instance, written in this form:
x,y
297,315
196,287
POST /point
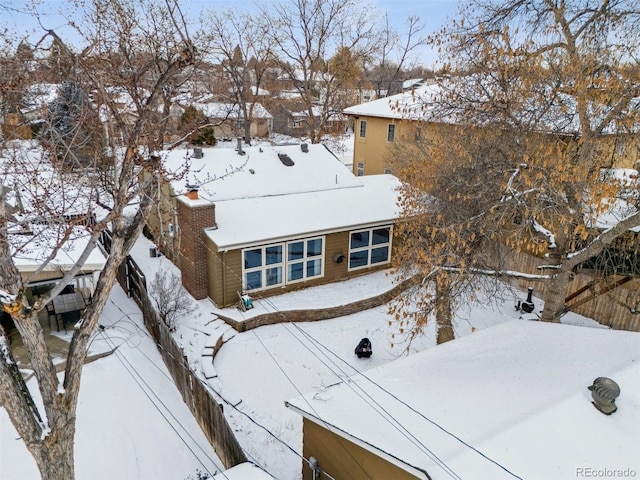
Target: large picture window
x,y
279,264
369,247
305,259
263,267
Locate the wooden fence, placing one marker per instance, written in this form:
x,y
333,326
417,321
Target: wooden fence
x,y
195,393
614,308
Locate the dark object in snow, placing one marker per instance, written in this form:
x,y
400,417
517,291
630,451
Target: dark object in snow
x,y
364,348
527,306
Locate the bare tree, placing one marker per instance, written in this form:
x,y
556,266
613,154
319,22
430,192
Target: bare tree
x,y
172,300
307,34
137,47
241,42
397,53
541,107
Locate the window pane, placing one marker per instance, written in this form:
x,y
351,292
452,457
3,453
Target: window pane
x,y
314,247
314,268
253,280
295,250
295,271
253,258
379,255
274,276
358,259
391,133
363,128
360,239
273,254
380,236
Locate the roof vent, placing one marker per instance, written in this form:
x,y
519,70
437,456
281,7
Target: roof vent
x,y
304,147
286,159
604,392
197,152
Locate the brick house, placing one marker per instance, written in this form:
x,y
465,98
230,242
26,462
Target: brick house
x,y
272,219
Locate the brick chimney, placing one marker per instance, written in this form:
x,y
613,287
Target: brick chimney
x,y
193,256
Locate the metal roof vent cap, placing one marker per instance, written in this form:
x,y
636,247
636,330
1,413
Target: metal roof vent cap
x,y
604,392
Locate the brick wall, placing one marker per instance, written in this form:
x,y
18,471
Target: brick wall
x,y
192,261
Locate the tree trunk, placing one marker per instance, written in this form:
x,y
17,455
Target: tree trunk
x,y
443,309
554,298
54,456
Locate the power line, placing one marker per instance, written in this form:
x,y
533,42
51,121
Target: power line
x,y
466,444
205,384
380,410
138,379
398,427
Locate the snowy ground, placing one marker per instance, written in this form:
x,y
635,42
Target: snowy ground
x,y
132,422
258,370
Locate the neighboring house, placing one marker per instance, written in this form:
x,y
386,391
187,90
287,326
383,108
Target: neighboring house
x,y
409,116
227,117
298,122
511,401
42,205
380,123
271,219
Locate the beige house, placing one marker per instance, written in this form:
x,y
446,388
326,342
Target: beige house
x,y
510,401
271,219
407,117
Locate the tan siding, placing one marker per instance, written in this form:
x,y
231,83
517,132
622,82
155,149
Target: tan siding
x,y
232,274
334,243
343,459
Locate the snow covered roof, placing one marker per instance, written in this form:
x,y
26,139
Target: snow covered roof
x,y
32,254
223,174
231,110
316,194
243,471
407,105
516,392
39,94
250,221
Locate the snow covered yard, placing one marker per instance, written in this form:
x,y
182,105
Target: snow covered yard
x,y
132,422
121,434
258,370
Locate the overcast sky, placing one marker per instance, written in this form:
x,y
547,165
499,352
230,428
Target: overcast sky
x,y
434,13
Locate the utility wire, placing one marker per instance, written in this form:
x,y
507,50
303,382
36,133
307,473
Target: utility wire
x,y
380,410
395,397
207,386
138,379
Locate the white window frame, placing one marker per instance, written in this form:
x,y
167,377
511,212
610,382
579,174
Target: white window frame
x,y
283,264
391,133
304,259
263,267
363,129
368,248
